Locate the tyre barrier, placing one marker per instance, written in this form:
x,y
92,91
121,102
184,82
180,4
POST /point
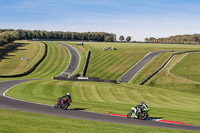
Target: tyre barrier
x,y
86,64
148,78
92,79
30,70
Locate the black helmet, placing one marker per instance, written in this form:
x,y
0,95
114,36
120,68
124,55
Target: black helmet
x,y
142,103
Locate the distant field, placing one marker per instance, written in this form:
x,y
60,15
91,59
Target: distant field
x,y
188,67
56,61
113,98
113,64
18,122
12,64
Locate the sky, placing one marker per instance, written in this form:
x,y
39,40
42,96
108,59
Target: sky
x,y
136,18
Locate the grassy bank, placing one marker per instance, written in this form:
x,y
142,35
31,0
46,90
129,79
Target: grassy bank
x,y
56,61
113,98
170,77
188,67
11,62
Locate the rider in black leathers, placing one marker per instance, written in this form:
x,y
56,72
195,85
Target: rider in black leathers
x,y
67,98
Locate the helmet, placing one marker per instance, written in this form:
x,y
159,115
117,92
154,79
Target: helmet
x,y
142,103
68,94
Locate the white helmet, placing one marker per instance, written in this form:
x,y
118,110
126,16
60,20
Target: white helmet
x,y
68,94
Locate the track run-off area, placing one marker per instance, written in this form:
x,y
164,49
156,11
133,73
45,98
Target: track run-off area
x,y
14,104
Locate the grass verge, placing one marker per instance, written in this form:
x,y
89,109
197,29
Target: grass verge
x,y
15,122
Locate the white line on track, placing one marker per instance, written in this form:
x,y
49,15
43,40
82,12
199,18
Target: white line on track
x,y
4,94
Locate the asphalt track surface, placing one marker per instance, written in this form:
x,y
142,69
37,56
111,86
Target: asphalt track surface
x,y
74,61
14,104
132,72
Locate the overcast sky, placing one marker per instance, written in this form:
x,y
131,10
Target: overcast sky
x,y
137,18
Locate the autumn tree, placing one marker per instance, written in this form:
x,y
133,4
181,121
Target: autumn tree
x,y
128,39
121,38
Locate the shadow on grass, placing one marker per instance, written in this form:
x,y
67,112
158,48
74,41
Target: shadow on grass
x,y
10,49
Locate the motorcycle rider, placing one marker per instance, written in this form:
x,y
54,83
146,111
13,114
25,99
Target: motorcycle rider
x,y
67,98
137,108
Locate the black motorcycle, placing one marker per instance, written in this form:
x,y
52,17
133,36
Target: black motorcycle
x,y
62,103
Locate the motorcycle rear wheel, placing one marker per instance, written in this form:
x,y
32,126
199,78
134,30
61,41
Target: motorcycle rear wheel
x,y
66,106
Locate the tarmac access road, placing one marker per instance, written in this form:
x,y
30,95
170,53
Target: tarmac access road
x,y
14,104
132,72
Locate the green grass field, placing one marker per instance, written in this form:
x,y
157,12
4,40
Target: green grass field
x,y
21,122
173,94
12,64
113,98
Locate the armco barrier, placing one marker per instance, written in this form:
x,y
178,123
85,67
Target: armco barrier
x,y
86,64
165,65
30,70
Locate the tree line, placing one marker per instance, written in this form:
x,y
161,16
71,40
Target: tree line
x,y
60,35
7,37
195,38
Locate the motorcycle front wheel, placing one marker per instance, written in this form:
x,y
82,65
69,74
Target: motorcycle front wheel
x,y
129,114
143,115
56,106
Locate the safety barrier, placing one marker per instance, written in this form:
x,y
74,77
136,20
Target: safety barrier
x,y
86,64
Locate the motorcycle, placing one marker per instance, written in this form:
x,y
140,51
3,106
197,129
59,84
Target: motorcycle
x,y
141,113
62,103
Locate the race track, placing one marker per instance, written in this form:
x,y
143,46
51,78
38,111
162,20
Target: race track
x,y
74,61
13,104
